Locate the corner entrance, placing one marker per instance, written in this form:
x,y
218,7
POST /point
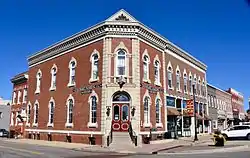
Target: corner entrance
x,y
121,112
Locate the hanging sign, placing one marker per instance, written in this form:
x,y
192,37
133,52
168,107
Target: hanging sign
x,y
190,107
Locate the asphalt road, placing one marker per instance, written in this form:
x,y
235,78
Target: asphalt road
x,y
16,150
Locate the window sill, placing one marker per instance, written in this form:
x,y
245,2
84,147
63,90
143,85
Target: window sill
x,y
52,88
50,124
93,80
147,125
35,124
37,92
69,125
92,125
158,84
71,84
147,80
170,88
159,125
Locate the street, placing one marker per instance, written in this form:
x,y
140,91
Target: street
x,y
18,150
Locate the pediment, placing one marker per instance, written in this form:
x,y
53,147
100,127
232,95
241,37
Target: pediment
x,y
122,16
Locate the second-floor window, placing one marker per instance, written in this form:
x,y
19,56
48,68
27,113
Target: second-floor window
x,y
199,87
53,78
185,83
14,98
19,97
94,67
170,77
38,81
191,85
25,95
72,72
121,63
146,67
178,82
195,86
157,72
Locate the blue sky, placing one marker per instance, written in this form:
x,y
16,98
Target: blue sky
x,y
215,32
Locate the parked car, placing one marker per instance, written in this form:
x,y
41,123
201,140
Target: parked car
x,y
4,133
239,131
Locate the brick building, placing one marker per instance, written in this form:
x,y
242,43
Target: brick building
x,y
116,76
237,105
19,103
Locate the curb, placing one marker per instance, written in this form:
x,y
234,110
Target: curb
x,y
209,151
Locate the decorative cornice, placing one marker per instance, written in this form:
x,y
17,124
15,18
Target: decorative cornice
x,y
20,78
106,28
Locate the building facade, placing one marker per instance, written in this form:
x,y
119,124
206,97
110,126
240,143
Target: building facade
x,y
4,114
212,108
116,76
19,103
237,105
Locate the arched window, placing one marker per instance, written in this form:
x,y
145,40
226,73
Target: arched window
x,y
14,98
70,111
146,110
185,82
28,114
51,112
53,72
190,84
93,101
195,86
170,78
146,67
38,81
203,89
121,97
36,114
178,82
157,72
19,97
199,87
94,67
121,63
72,72
157,110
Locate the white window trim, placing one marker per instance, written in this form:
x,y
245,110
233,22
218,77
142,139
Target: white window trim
x,y
67,124
159,125
147,124
70,72
185,78
91,124
52,87
190,79
28,120
95,52
14,98
195,84
121,46
49,124
19,94
38,89
24,94
200,87
178,89
157,82
34,109
12,119
170,66
148,63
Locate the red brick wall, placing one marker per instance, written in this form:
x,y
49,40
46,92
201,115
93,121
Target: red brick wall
x,y
62,92
152,52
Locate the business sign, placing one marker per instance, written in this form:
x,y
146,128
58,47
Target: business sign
x,y
190,107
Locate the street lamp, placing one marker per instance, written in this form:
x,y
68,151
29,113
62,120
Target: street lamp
x,y
195,119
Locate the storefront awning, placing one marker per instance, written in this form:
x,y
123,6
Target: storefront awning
x,y
173,112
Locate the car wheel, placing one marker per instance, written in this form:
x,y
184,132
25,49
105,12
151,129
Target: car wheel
x,y
248,136
225,136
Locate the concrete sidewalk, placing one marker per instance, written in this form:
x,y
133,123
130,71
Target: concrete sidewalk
x,y
154,147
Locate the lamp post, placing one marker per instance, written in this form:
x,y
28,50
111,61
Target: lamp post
x,y
195,119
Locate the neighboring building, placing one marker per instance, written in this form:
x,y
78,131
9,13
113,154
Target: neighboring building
x,y
19,103
224,109
212,108
4,114
111,76
237,106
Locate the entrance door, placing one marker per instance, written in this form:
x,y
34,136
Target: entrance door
x,y
121,118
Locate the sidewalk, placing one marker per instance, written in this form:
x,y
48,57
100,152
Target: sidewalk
x,y
153,148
